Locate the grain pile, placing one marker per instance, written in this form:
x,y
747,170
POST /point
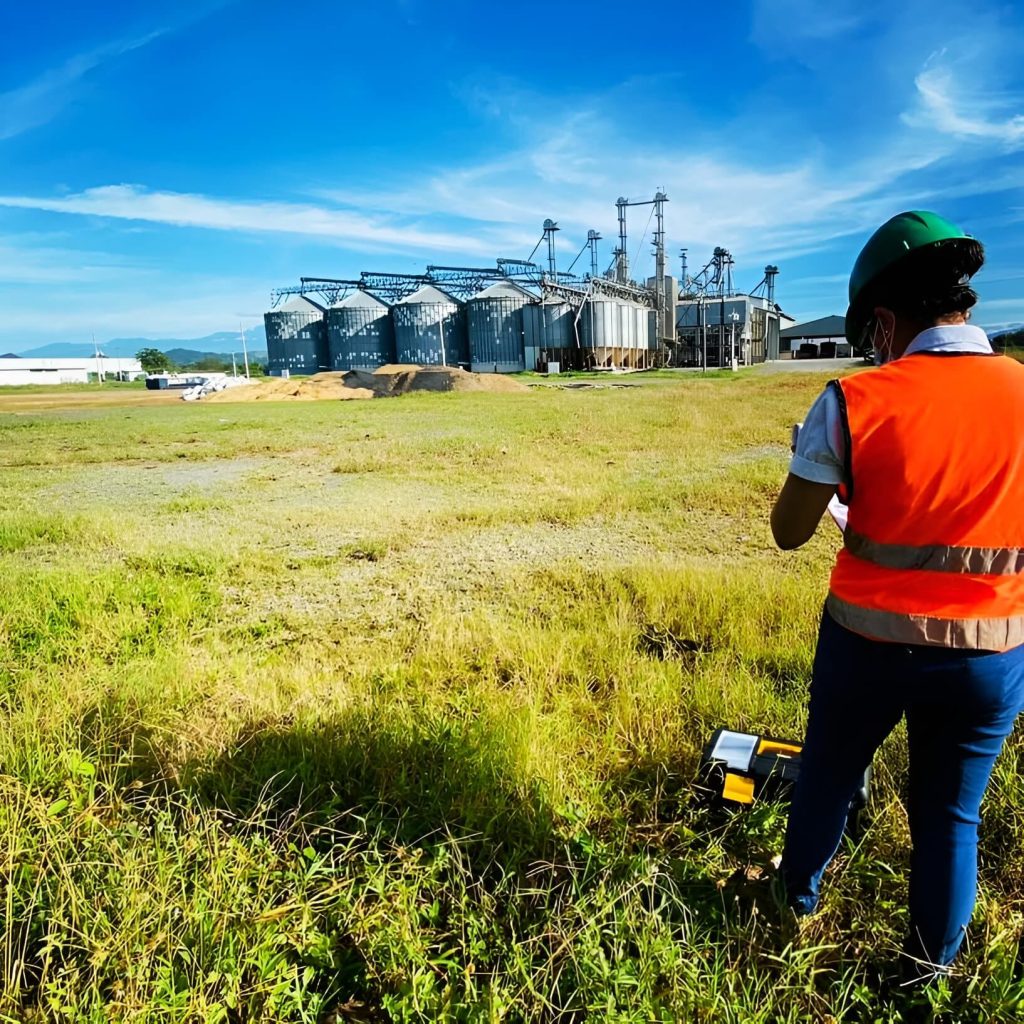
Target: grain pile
x,y
387,382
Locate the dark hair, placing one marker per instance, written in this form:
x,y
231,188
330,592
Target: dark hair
x,y
927,283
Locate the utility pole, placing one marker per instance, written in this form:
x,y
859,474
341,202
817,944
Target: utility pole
x,y
703,326
734,316
99,365
245,351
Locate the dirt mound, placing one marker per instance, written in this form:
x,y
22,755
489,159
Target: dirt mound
x,y
386,382
319,387
400,379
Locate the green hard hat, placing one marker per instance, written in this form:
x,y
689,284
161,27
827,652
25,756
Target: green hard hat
x,y
888,245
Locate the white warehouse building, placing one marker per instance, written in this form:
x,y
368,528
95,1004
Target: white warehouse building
x,y
15,370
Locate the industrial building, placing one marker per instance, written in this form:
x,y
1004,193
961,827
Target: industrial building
x,y
715,331
824,338
15,370
525,315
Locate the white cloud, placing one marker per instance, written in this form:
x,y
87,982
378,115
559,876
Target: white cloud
x,y
573,167
42,99
344,227
778,198
39,101
950,104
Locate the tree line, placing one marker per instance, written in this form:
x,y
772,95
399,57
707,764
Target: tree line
x,y
155,361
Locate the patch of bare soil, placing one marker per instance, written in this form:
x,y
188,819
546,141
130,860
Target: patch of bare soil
x,y
387,382
38,401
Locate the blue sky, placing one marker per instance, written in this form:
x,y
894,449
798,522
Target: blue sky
x,y
162,170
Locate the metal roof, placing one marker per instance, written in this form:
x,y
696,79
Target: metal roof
x,y
825,327
360,300
428,294
109,364
503,290
300,304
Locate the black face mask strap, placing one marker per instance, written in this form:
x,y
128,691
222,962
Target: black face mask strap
x,y
867,335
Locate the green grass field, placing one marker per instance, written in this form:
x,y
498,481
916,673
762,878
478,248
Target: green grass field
x,y
390,711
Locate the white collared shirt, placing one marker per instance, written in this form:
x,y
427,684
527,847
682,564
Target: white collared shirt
x,y
821,447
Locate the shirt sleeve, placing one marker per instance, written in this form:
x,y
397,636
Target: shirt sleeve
x,y
820,454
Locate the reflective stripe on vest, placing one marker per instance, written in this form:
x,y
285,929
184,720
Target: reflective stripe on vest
x,y
934,549
936,557
899,628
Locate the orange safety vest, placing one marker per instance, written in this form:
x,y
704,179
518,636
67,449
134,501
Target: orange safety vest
x,y
933,552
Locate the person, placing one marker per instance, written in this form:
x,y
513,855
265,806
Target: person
x,y
924,618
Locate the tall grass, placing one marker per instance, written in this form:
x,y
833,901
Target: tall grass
x,y
399,719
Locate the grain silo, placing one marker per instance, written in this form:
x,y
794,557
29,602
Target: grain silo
x,y
601,331
495,321
360,334
296,338
430,329
549,335
615,332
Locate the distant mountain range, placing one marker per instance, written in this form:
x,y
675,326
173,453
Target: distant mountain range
x,y
1012,329
181,350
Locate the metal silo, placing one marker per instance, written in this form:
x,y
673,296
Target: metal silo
x,y
430,329
549,334
601,331
495,320
640,335
296,338
360,335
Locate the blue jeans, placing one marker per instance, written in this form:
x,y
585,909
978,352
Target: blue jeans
x,y
959,706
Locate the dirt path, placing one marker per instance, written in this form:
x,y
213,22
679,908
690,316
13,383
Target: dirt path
x,y
38,401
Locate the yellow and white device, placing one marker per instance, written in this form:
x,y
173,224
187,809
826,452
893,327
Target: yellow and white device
x,y
741,767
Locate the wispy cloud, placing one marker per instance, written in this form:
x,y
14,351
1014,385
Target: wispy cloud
x,y
949,104
573,167
573,171
42,99
345,228
806,20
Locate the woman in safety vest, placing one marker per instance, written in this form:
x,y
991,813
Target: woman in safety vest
x,y
925,612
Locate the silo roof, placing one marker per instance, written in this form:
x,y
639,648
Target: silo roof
x,y
428,294
360,300
300,304
504,289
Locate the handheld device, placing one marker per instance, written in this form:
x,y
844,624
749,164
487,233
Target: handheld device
x,y
741,768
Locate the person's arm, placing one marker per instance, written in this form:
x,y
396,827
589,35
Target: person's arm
x,y
798,510
815,472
